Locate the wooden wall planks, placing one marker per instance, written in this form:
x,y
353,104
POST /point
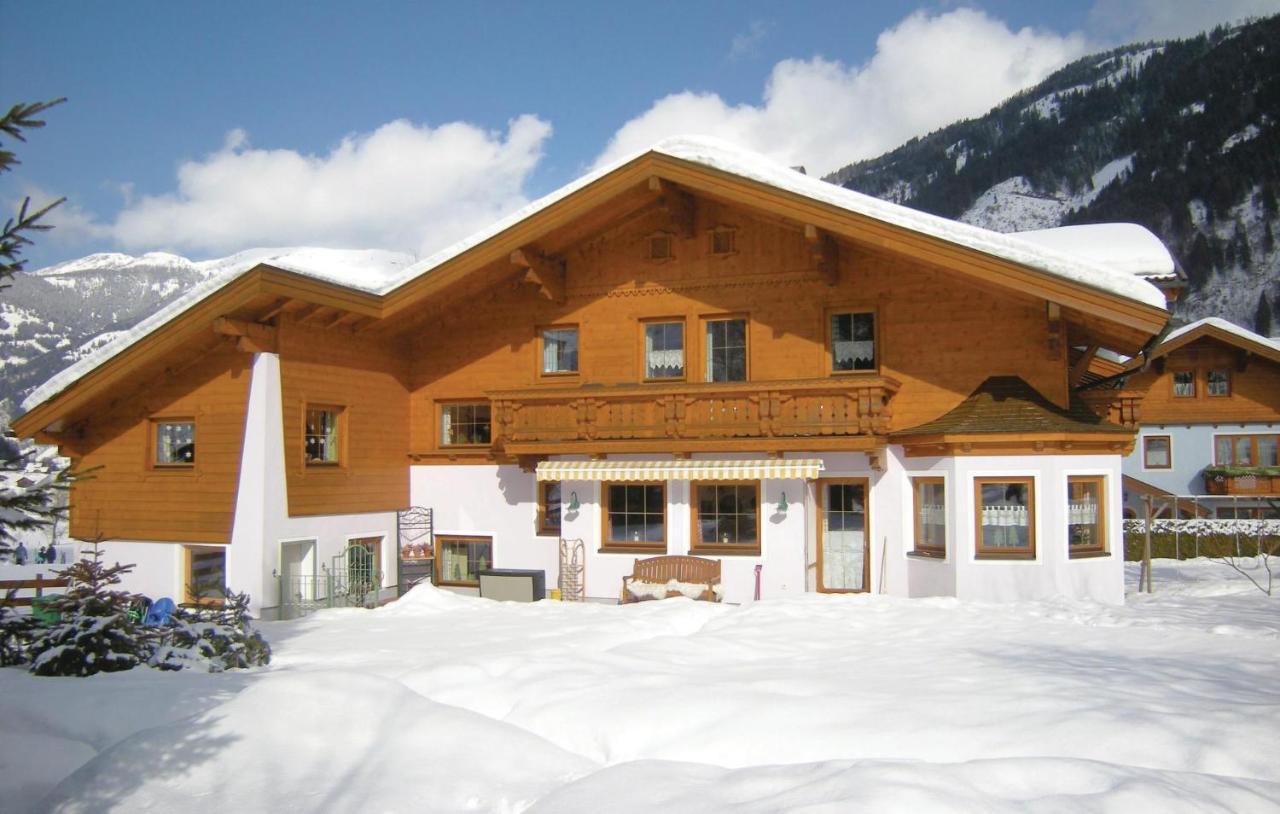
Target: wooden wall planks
x,y
1255,391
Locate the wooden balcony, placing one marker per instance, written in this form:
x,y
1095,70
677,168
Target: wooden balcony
x,y
1217,482
846,414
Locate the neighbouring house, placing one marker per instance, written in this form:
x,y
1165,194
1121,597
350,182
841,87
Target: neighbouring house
x,y
1210,423
694,350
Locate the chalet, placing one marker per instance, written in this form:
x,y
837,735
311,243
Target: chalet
x,y
1210,421
694,350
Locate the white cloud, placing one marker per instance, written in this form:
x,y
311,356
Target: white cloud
x,y
748,42
928,71
1171,19
403,187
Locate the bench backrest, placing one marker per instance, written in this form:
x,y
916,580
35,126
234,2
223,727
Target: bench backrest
x,y
677,567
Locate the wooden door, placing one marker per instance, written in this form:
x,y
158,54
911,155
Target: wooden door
x,y
843,535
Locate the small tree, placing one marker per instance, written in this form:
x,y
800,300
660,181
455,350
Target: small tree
x,y
213,637
95,633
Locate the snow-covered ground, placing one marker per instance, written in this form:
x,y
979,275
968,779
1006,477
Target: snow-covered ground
x,y
447,703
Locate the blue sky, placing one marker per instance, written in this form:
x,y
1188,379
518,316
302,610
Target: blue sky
x,y
208,128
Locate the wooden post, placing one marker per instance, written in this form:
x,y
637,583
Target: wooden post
x,y
1145,577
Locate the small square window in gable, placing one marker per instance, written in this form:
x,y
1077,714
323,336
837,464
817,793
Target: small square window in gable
x,y
660,247
724,240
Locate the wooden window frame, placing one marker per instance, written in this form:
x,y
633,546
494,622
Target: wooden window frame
x,y
822,484
153,444
1173,383
644,359
442,406
919,549
669,238
704,347
541,526
1254,451
1027,554
631,546
696,546
343,425
188,580
1208,384
827,315
1168,439
441,540
558,375
715,234
1101,549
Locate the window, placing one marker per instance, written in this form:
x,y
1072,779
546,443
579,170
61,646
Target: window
x,y
726,518
726,350
559,351
1184,384
930,516
1157,452
853,341
1246,450
549,508
724,241
206,574
175,443
660,247
1005,509
664,350
459,560
364,565
323,435
1218,382
635,516
1086,520
465,424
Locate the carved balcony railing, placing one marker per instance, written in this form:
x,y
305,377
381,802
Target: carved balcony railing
x,y
686,415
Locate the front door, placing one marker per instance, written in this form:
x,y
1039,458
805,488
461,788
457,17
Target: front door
x,y
843,564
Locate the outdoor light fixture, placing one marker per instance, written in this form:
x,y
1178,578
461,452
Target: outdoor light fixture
x,y
573,501
782,504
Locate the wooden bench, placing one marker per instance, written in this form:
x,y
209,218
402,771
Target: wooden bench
x,y
661,570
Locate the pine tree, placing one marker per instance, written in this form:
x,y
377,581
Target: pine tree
x,y
23,506
213,637
1262,317
95,633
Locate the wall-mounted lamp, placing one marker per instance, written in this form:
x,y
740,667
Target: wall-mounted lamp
x,y
782,504
573,502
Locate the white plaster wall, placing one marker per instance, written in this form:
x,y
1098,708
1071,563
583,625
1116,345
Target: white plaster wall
x,y
924,576
157,568
1052,572
262,521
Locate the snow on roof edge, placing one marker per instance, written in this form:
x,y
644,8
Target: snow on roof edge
x,y
709,152
1222,325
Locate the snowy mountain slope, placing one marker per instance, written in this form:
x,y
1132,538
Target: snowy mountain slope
x,y
1180,137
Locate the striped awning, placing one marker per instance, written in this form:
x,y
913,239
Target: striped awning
x,y
765,469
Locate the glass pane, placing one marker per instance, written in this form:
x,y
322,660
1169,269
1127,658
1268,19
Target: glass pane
x,y
1184,383
208,573
1219,382
1244,451
931,516
1084,514
322,436
853,341
664,350
1222,451
176,443
843,538
560,350
1267,450
1005,518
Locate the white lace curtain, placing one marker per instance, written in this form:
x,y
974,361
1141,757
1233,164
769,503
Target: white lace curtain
x,y
1083,513
1004,515
662,361
847,351
933,514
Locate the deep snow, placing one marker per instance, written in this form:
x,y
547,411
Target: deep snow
x,y
441,702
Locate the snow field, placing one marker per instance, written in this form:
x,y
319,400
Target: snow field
x,y
442,702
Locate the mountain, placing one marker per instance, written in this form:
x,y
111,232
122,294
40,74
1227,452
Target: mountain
x,y
1182,137
52,317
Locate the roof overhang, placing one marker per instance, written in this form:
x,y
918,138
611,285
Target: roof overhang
x,y
658,471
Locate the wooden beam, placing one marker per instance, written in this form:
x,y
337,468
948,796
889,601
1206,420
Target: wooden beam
x,y
251,337
1082,366
824,253
1053,315
546,273
680,206
276,309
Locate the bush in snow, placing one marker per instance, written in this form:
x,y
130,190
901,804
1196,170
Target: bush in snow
x,y
16,630
211,637
95,633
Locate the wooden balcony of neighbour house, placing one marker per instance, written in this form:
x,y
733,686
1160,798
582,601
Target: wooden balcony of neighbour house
x,y
772,416
1123,407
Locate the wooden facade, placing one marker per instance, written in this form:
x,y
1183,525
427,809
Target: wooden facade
x,y
1252,389
658,239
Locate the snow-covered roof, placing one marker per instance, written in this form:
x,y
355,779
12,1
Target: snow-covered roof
x,y
374,275
1125,247
1222,325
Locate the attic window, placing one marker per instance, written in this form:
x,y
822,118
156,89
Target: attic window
x,y
660,247
724,241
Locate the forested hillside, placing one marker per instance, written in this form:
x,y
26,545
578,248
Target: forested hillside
x,y
1179,136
